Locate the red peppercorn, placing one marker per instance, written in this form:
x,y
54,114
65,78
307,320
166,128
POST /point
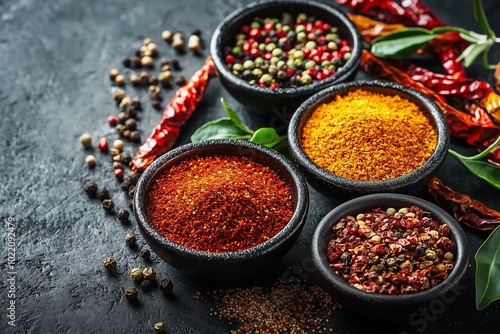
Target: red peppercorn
x,y
326,27
268,55
280,33
274,84
269,26
103,144
112,120
289,72
254,53
318,24
118,173
255,33
268,40
309,27
320,76
316,58
321,48
245,29
312,72
246,47
230,59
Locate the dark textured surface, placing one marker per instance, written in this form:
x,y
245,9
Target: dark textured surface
x,y
54,56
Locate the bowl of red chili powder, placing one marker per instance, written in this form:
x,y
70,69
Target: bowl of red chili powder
x,y
276,54
221,209
368,137
391,256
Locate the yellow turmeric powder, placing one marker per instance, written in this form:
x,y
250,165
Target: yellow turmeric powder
x,y
368,136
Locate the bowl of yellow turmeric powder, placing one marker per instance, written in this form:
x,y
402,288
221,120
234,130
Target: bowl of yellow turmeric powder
x,y
368,137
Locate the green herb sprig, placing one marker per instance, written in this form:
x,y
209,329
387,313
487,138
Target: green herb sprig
x,y
481,169
404,43
232,127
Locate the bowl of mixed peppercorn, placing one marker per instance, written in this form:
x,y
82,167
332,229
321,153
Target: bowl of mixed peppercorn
x,y
366,137
387,255
272,54
221,209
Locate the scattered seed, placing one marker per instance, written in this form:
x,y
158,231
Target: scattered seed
x,y
127,62
90,160
167,36
130,239
118,95
175,64
147,61
112,120
86,140
113,73
90,188
135,136
120,80
103,144
135,79
194,43
110,263
166,286
102,194
196,32
118,173
160,327
137,62
180,80
136,274
108,205
131,293
146,254
123,215
118,144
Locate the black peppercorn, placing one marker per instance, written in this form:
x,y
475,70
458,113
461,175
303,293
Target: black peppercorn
x,y
131,124
123,215
126,62
196,32
131,191
110,263
125,158
166,286
131,293
165,62
145,254
102,194
180,80
175,64
156,104
137,62
122,117
91,189
135,136
130,239
108,205
135,104
153,80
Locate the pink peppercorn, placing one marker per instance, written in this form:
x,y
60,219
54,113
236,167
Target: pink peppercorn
x,y
112,120
103,144
118,173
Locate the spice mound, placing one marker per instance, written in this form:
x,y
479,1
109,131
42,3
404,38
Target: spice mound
x,y
368,136
290,51
389,252
219,203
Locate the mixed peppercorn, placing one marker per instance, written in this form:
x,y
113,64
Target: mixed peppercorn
x,y
287,52
391,252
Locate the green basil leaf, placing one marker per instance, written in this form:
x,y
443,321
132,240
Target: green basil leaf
x,y
470,54
222,128
481,19
445,29
488,270
234,117
266,136
401,44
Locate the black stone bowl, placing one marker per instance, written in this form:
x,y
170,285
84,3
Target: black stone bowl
x,y
227,265
386,307
264,100
337,186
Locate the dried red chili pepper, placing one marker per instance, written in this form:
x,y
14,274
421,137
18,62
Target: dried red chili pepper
x,y
177,112
476,128
465,209
409,12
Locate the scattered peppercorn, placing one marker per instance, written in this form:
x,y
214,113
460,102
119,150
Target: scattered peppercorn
x,y
178,42
118,144
113,73
91,189
130,204
86,140
167,36
110,263
108,205
118,173
102,194
127,62
131,293
160,327
166,286
130,239
407,257
194,43
180,80
135,79
103,144
90,160
147,61
120,80
118,95
148,284
175,64
145,253
149,273
136,274
112,120
164,78
156,104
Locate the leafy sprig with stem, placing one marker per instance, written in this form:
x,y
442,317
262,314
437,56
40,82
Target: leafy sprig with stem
x,y
232,127
404,43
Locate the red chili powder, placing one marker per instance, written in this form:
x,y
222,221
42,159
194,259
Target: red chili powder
x,y
219,203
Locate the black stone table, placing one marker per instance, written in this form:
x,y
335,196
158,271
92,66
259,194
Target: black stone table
x,y
54,60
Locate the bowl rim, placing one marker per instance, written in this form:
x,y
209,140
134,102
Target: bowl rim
x,y
189,150
418,174
348,208
350,66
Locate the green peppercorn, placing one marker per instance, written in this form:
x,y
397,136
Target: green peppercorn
x,y
266,79
404,211
300,28
331,37
136,274
86,140
310,64
160,327
130,239
332,46
149,273
131,293
257,72
248,65
301,36
448,256
166,286
391,261
406,264
306,79
430,255
254,25
391,211
347,56
440,267
145,254
297,62
302,17
311,45
277,52
110,263
108,205
401,258
376,239
91,189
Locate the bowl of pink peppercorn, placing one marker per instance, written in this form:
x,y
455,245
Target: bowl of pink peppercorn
x,y
275,54
390,256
